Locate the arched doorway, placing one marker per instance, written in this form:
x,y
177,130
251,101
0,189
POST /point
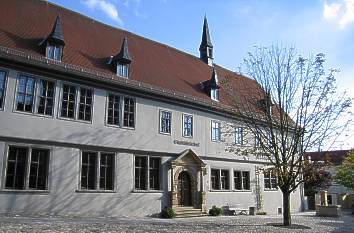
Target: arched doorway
x,y
184,189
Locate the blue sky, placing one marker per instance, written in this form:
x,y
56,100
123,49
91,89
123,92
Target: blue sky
x,y
312,26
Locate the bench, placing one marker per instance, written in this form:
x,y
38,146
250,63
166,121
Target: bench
x,y
237,209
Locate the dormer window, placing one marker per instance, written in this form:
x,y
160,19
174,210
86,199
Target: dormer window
x,y
54,52
53,44
123,70
214,94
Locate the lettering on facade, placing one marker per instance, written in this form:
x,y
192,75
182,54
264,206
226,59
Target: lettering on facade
x,y
186,143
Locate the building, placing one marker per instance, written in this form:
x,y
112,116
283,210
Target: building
x,y
96,120
337,194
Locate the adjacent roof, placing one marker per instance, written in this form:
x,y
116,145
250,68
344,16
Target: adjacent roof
x,y
88,44
335,157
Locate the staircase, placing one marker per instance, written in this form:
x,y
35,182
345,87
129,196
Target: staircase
x,y
188,212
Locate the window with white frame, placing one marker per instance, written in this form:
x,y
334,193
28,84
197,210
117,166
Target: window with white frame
x,y
214,94
2,88
220,179
45,97
242,180
113,109
25,94
123,70
76,102
270,179
239,136
147,173
128,112
187,125
165,122
97,171
54,52
215,131
21,159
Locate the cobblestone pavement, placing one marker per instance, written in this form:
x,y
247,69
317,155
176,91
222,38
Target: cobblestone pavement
x,y
304,222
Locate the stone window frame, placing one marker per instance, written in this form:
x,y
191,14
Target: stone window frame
x,y
147,175
219,182
241,179
218,139
183,125
97,173
77,102
29,148
161,111
272,177
6,73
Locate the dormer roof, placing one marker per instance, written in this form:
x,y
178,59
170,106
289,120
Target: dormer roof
x,y
56,35
123,55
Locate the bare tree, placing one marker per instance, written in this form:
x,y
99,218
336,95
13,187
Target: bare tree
x,y
293,108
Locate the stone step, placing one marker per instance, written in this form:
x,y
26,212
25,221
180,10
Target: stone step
x,y
188,212
190,215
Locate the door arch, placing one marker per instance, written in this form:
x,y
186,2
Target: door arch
x,y
184,189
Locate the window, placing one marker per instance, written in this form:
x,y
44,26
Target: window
x,y
122,70
147,173
54,52
165,122
113,109
25,93
239,136
215,131
270,179
242,180
129,112
2,88
257,139
220,179
97,171
187,125
22,158
214,94
45,97
69,102
85,104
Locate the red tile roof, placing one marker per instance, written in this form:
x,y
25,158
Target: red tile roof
x,y
335,157
88,43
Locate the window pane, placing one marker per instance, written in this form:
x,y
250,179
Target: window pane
x,y
88,170
25,92
239,136
140,172
68,101
215,131
122,70
165,122
237,180
2,88
215,179
113,109
38,169
85,104
106,171
129,112
187,125
16,168
246,180
154,173
45,97
225,179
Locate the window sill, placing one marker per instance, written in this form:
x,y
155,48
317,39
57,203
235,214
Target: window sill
x,y
271,190
217,141
163,133
25,191
95,191
220,191
75,120
242,191
146,191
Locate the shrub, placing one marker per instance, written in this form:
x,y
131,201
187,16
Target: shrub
x,y
262,213
168,213
215,211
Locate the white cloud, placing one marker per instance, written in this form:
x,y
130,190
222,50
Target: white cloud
x,y
342,11
108,8
331,10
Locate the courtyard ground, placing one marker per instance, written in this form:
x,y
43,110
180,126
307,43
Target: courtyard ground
x,y
302,222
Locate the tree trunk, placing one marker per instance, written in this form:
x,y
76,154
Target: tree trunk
x,y
286,212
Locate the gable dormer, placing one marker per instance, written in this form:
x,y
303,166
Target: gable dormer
x,y
211,86
54,43
122,60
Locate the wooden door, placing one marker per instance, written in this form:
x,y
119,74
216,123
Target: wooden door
x,y
184,189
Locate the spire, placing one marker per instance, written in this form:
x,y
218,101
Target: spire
x,y
123,55
56,35
206,47
206,42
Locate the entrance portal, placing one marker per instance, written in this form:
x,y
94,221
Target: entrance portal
x,y
184,189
